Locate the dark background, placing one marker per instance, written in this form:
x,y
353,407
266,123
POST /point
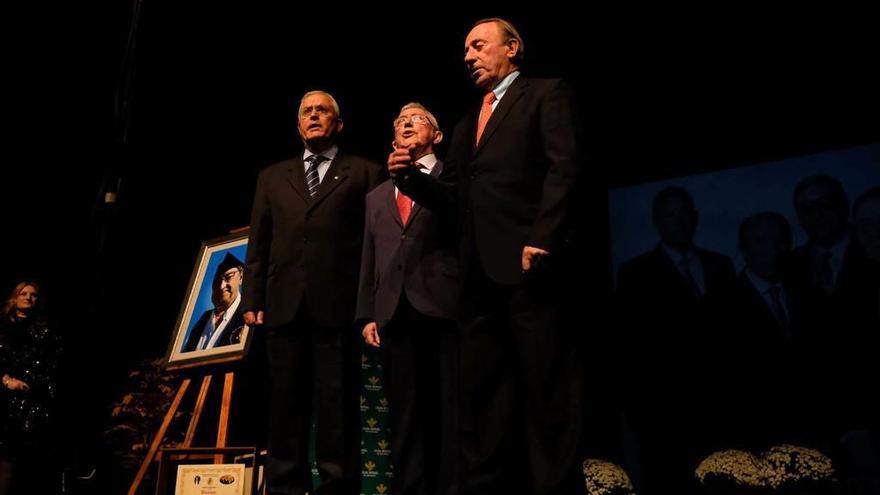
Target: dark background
x,y
213,100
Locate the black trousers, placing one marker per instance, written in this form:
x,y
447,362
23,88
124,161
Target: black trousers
x,y
420,363
313,373
522,388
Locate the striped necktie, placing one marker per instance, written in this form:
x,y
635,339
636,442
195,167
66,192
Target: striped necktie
x,y
312,178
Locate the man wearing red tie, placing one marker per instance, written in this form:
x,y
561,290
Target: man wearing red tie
x,y
511,176
407,307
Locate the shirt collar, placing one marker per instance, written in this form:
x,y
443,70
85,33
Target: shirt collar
x,y
504,85
329,153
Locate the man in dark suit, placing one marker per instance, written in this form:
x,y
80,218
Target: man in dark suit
x,y
407,305
832,261
835,265
866,219
224,324
302,273
512,171
661,295
763,321
825,261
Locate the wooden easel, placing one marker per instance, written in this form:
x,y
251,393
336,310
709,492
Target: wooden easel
x,y
222,426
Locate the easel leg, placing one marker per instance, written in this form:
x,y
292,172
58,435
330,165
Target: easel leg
x,y
223,426
197,411
157,440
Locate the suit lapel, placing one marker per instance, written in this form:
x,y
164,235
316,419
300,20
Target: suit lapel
x,y
296,175
514,93
756,299
709,278
391,203
336,174
668,266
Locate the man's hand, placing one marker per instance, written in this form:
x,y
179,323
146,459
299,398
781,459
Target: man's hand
x,y
399,160
531,258
15,384
371,334
252,319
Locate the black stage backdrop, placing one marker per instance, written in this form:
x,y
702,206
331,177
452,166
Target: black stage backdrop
x,y
214,96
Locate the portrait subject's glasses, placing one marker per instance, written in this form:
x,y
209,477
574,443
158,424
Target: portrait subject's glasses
x,y
229,276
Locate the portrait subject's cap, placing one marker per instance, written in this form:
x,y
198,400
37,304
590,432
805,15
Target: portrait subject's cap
x,y
229,262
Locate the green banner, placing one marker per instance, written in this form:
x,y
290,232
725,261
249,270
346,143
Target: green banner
x,y
376,468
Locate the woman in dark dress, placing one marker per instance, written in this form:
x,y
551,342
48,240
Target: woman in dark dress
x,y
29,356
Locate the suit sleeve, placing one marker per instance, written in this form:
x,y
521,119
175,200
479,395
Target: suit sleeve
x,y
366,303
259,243
561,141
438,194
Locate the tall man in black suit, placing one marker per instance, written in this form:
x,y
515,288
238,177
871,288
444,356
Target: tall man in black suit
x,y
301,278
511,172
224,324
407,305
662,294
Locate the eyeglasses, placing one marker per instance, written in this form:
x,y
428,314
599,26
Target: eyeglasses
x,y
321,110
415,119
229,276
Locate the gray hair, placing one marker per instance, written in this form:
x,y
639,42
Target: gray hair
x,y
318,92
428,113
509,32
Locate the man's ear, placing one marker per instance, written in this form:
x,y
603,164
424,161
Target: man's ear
x,y
438,137
338,124
512,48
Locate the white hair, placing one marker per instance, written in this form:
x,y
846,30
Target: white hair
x,y
428,113
328,95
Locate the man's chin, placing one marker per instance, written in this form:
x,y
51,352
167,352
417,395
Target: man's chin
x,y
484,81
318,141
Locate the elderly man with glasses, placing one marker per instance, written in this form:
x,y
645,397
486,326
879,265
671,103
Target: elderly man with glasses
x,y
407,308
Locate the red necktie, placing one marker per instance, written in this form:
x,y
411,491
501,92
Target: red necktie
x,y
404,203
404,206
485,113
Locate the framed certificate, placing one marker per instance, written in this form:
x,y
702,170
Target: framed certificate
x,y
211,479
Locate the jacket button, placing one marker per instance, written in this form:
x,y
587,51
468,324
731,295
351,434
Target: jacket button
x,y
403,236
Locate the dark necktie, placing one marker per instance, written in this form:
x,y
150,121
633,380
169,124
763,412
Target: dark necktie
x,y
776,306
688,276
824,274
313,180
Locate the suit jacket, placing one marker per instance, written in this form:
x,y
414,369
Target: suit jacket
x,y
651,285
517,187
668,331
852,305
847,333
417,259
751,353
305,250
230,335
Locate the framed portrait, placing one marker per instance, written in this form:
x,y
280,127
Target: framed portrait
x,y
210,328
